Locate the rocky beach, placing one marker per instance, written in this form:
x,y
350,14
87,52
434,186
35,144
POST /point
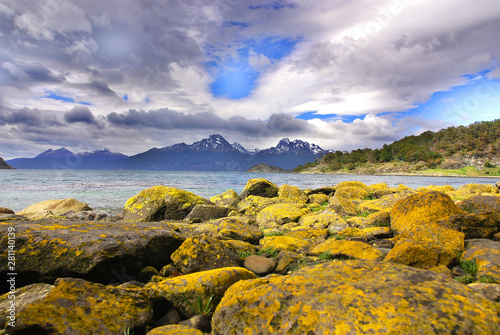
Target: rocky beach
x,y
349,258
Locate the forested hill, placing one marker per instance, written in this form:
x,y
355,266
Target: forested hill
x,y
476,145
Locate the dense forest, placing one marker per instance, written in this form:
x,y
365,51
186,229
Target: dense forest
x,y
429,149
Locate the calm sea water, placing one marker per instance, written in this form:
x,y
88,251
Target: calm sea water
x,y
109,190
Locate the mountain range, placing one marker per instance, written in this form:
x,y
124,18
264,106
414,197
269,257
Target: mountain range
x,y
214,153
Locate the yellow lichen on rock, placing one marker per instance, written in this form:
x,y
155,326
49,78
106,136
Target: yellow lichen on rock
x,y
288,243
343,206
161,203
175,330
252,205
444,188
352,183
486,254
352,193
202,285
352,249
228,198
321,220
318,199
292,192
260,187
421,208
53,208
427,246
279,214
355,297
377,187
313,234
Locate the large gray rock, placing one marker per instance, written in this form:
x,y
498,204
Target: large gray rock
x,y
101,252
260,187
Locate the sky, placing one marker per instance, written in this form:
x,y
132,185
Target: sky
x,y
129,75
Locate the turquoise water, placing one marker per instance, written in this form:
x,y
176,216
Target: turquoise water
x,y
109,190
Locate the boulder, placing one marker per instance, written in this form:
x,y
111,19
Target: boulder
x,y
323,220
101,252
351,184
480,204
317,234
365,234
487,256
201,253
161,203
378,219
328,190
229,198
484,225
53,208
342,206
443,188
206,286
285,259
260,265
377,187
89,216
241,246
477,189
355,297
427,246
293,193
352,192
172,317
201,322
76,306
421,208
253,205
294,244
318,199
201,213
497,184
352,249
279,214
235,228
385,202
174,330
4,210
260,187
489,291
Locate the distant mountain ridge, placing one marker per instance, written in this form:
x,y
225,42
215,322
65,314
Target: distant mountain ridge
x,y
214,153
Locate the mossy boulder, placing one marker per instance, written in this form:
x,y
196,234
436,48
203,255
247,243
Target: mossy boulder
x,y
487,255
355,297
318,199
351,249
253,205
342,206
292,192
234,228
76,306
174,330
201,253
352,193
323,220
385,202
101,252
353,183
483,225
421,208
480,204
260,187
427,246
201,285
279,243
201,213
229,198
53,208
161,203
279,214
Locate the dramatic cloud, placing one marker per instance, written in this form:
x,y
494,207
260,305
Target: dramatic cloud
x,y
342,74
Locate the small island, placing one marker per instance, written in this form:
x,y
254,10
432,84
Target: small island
x,y
4,165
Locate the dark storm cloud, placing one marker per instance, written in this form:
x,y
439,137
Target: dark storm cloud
x,y
79,114
168,119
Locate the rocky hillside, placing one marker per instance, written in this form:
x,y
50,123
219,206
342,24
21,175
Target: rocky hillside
x,y
477,146
4,165
266,168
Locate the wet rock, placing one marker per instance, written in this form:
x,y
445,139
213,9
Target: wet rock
x,y
260,187
355,297
161,203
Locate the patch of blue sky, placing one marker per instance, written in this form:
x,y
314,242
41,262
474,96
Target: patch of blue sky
x,y
476,100
52,95
236,24
235,78
276,5
125,97
330,117
84,103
